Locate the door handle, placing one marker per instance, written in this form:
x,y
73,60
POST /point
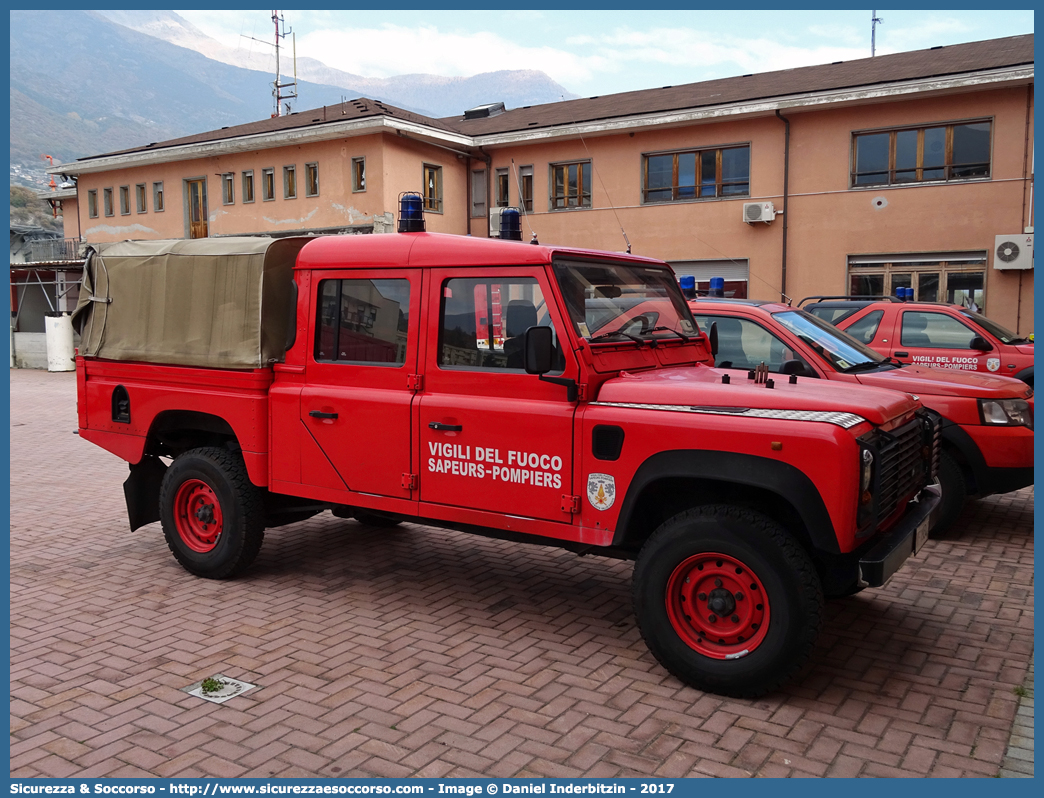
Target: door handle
x,y
321,414
901,354
438,425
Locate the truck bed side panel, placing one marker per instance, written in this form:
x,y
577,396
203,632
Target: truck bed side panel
x,y
240,398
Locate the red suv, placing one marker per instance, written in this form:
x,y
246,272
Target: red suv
x,y
987,426
930,334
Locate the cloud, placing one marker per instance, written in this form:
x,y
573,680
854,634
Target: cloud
x,y
396,50
927,33
698,50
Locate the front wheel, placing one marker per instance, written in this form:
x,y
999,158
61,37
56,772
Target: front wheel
x,y
954,492
726,600
212,514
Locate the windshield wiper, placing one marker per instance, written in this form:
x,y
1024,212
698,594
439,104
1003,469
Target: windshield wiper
x,y
668,329
635,338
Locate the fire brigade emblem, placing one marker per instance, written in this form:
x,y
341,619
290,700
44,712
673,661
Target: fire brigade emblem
x,y
601,491
993,363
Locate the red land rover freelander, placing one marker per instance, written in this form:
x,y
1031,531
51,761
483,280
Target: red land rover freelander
x,y
986,419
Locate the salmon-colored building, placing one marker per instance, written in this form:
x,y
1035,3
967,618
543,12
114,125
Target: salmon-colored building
x,y
854,177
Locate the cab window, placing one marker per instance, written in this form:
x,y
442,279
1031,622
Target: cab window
x,y
743,344
483,322
363,321
935,330
865,329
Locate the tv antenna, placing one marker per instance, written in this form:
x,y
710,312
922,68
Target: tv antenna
x,y
874,22
277,87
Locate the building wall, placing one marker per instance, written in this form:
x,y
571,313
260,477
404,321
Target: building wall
x,y
70,218
827,220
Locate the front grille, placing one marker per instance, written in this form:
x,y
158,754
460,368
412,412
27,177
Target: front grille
x,y
905,460
901,467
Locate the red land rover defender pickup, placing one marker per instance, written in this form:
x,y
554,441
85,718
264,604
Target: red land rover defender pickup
x,y
502,389
930,334
986,419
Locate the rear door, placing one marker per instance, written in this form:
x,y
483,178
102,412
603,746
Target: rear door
x,y
492,437
361,377
935,338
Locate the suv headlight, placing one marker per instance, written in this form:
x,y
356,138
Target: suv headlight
x,y
866,474
1006,412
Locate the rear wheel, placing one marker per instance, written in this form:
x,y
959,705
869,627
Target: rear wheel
x,y
212,514
954,490
726,600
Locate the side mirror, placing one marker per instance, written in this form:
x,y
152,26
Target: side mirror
x,y
980,344
712,334
538,350
798,367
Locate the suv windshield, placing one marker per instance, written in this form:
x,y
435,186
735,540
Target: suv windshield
x,y
841,350
623,301
1006,336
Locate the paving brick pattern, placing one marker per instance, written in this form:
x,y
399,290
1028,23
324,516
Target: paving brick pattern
x,y
1018,762
421,652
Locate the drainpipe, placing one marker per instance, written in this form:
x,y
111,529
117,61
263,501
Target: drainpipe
x,y
1025,172
467,194
786,194
489,186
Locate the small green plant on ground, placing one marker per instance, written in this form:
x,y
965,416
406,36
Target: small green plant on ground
x,y
1020,691
211,685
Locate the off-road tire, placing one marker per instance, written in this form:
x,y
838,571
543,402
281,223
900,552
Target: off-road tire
x,y
379,521
954,493
211,484
724,538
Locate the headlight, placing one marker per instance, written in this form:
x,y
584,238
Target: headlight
x,y
866,473
1006,412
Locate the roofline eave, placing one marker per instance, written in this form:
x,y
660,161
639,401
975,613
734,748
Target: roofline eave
x,y
982,79
265,141
766,106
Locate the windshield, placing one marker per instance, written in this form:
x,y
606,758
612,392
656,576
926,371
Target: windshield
x,y
841,350
1006,336
621,301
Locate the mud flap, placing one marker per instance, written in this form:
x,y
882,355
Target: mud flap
x,y
142,489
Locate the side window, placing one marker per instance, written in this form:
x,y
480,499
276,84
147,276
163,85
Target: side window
x,y
483,322
743,344
831,315
865,329
935,330
363,321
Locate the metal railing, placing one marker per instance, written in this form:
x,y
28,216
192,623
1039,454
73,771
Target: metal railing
x,y
46,250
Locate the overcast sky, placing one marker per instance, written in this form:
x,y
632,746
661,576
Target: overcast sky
x,y
601,52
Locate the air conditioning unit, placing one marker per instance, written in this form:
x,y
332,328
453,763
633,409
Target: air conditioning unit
x,y
758,212
1013,252
494,222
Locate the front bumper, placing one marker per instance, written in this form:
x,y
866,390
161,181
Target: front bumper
x,y
905,539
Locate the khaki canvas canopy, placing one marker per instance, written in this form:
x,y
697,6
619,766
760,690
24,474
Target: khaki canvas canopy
x,y
217,302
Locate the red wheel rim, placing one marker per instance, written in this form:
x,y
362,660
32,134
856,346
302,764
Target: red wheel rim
x,y
197,515
717,605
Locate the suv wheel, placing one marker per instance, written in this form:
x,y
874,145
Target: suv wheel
x,y
212,514
726,600
954,490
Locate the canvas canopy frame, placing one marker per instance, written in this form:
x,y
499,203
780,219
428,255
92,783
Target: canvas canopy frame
x,y
214,302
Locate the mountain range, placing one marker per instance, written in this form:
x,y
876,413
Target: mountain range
x,y
89,82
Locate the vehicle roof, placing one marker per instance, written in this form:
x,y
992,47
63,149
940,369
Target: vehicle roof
x,y
861,303
440,249
768,305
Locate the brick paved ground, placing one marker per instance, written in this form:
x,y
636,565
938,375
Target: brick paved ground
x,y
1018,761
422,652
